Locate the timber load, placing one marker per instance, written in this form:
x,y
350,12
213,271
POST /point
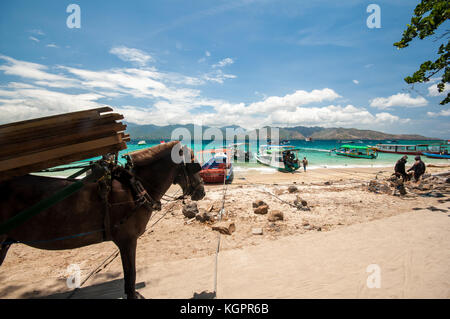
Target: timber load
x,y
38,144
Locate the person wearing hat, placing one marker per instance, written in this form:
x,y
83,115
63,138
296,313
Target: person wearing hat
x,y
418,168
400,169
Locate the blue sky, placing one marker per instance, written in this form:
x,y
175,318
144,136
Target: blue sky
x,y
234,62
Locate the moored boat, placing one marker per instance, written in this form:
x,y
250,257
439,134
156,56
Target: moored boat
x,y
283,158
431,155
355,151
418,149
142,142
217,166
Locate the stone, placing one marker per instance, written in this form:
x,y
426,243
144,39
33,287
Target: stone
x,y
203,216
258,203
327,183
292,189
190,210
300,202
226,228
275,215
261,210
257,231
447,180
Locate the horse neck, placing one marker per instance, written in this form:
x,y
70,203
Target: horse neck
x,y
158,177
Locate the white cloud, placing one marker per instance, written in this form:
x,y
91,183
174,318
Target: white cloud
x,y
165,98
37,31
223,63
207,53
30,70
34,39
433,90
400,99
441,113
136,56
332,116
52,45
356,81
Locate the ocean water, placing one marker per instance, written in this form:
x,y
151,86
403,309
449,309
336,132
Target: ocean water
x,y
316,152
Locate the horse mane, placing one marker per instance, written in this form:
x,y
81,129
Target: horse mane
x,y
152,154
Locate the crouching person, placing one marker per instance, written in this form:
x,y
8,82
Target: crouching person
x,y
418,168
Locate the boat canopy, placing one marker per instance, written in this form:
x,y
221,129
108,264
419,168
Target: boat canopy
x,y
357,147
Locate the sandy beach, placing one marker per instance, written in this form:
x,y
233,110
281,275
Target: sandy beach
x,y
320,251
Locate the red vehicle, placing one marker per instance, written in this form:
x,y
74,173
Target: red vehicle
x,y
217,166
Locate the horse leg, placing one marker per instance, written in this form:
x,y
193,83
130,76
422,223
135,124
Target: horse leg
x,y
3,249
128,256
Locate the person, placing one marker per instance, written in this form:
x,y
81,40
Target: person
x,y
418,168
305,163
400,170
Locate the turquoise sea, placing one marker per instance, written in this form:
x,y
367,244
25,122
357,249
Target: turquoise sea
x,y
316,152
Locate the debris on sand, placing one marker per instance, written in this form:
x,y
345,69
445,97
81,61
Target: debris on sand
x,y
275,215
226,227
378,187
299,202
261,210
257,231
203,216
190,210
292,189
258,203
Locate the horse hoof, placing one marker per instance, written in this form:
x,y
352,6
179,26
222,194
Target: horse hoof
x,y
136,295
139,296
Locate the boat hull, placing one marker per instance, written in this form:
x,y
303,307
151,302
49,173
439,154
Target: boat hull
x,y
281,168
401,152
357,155
432,155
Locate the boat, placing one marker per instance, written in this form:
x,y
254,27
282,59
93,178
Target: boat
x,y
308,139
240,152
355,151
284,142
275,156
217,166
418,149
432,155
142,143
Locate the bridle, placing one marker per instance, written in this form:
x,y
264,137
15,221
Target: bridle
x,y
186,170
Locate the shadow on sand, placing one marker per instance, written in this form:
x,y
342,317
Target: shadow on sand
x,y
107,290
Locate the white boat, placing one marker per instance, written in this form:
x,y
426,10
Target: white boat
x,y
142,143
273,156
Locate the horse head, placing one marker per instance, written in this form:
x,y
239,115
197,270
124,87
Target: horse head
x,y
171,163
188,176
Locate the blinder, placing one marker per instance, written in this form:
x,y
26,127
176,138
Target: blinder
x,y
193,168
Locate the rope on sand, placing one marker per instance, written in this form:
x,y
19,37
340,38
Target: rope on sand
x,y
222,210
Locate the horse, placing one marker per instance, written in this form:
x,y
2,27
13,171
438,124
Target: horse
x,y
87,210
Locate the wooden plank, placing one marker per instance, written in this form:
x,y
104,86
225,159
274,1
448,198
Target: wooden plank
x,y
41,144
93,113
57,152
58,129
9,174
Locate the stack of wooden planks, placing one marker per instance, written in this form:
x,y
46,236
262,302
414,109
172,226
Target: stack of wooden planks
x,y
34,145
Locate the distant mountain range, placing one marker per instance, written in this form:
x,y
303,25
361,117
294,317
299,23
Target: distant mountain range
x,y
154,132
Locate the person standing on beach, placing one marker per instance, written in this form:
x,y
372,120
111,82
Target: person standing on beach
x,y
418,168
305,163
